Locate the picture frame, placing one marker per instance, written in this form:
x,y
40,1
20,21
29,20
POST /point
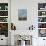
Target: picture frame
x,y
42,33
22,14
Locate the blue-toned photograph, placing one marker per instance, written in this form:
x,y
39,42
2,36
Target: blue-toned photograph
x,y
22,14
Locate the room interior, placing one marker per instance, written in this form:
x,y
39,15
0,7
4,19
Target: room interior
x,y
22,22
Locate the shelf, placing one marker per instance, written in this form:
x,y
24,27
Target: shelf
x,y
41,10
3,22
3,10
41,22
3,16
42,16
41,28
42,37
4,19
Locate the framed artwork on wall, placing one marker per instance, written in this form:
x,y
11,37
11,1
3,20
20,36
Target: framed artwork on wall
x,y
42,32
22,14
4,29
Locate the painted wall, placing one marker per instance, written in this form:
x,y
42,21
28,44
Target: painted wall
x,y
32,14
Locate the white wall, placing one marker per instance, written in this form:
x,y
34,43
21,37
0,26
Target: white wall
x,y
32,14
31,7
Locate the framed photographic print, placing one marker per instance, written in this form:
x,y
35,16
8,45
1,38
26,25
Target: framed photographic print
x,y
42,32
41,19
4,29
3,13
41,6
22,14
3,19
41,25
